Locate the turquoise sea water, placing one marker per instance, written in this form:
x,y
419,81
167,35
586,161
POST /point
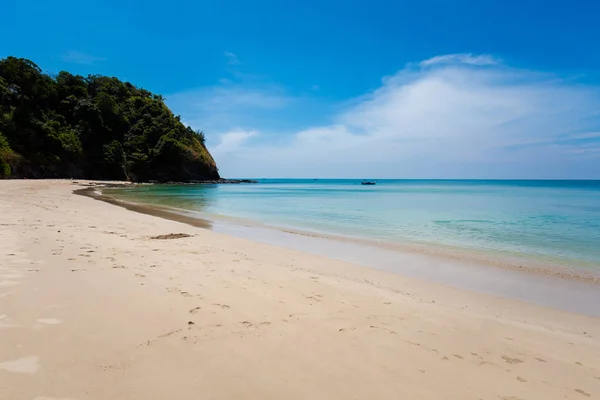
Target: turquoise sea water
x,y
549,221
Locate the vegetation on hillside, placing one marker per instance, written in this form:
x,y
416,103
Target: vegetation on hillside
x,y
96,127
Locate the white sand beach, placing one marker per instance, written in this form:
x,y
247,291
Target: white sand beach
x,y
99,302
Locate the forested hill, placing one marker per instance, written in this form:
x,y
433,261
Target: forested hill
x,y
94,127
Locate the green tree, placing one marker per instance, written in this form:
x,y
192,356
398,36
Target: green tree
x,y
92,127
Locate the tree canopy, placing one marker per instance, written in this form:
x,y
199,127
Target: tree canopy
x,y
95,127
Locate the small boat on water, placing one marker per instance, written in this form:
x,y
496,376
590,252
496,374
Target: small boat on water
x,y
368,183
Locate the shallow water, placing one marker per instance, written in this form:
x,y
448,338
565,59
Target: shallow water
x,y
554,222
570,295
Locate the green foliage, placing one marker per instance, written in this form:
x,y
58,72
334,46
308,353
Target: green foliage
x,y
4,168
3,143
92,127
201,136
5,151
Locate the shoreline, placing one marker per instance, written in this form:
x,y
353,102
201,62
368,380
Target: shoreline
x,y
541,286
488,259
98,302
444,252
161,212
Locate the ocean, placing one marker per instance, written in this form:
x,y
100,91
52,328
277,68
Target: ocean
x,y
555,223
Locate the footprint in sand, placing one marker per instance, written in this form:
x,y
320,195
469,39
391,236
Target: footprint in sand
x,y
586,394
223,306
195,310
521,379
24,365
171,236
486,363
510,360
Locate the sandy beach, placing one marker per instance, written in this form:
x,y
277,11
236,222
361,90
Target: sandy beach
x,y
101,302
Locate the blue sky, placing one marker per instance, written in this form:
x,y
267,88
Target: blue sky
x,y
439,89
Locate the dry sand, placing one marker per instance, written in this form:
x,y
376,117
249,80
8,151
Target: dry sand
x,y
91,307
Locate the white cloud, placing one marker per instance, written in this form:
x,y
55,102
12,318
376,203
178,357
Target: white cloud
x,y
232,59
449,118
81,58
228,107
462,58
227,98
232,141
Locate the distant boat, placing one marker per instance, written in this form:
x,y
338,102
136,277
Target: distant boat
x,y
368,183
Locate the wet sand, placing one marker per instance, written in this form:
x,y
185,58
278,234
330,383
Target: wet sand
x,y
100,302
561,291
551,286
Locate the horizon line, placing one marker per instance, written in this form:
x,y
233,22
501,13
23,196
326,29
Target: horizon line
x,y
430,179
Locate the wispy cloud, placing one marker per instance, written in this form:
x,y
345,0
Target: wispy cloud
x,y
229,106
587,135
233,141
584,150
462,58
464,116
81,58
232,59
